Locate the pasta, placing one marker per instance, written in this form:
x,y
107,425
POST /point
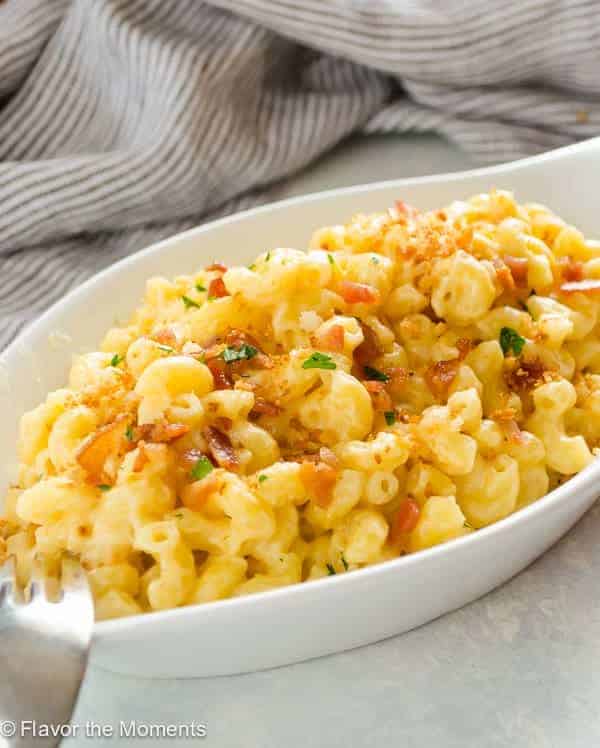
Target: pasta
x,y
412,377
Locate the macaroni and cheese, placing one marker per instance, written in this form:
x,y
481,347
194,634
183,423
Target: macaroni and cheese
x,y
412,377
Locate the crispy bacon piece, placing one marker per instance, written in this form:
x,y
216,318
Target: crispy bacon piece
x,y
379,396
217,288
526,376
195,495
358,293
405,520
370,348
399,376
264,407
590,286
237,338
464,346
319,480
503,274
519,268
190,457
105,444
141,459
332,339
221,449
161,433
165,336
439,376
221,376
571,270
219,267
405,210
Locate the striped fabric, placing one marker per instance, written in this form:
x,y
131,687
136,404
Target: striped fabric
x,y
124,121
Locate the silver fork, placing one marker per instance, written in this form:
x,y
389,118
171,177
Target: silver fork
x,y
44,649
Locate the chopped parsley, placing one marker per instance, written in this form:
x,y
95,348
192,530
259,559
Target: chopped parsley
x,y
268,257
104,487
330,258
375,259
330,570
344,561
202,468
116,359
200,288
511,340
164,348
129,433
178,515
467,526
188,303
390,417
319,361
243,352
263,478
252,267
376,375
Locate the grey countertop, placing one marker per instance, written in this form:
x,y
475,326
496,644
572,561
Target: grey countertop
x,y
516,668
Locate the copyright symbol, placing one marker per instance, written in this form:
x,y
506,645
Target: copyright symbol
x,y
8,728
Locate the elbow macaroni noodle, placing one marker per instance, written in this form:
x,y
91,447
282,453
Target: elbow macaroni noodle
x,y
414,376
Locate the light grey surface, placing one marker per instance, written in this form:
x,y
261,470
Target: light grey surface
x,y
517,668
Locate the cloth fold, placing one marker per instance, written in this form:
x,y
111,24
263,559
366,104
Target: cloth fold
x,y
123,121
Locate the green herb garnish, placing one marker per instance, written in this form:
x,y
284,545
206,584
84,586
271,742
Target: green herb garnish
x,y
319,361
511,340
164,348
330,570
104,487
202,468
467,526
263,478
344,561
390,417
116,359
129,433
243,352
376,375
375,260
188,303
331,260
268,257
200,287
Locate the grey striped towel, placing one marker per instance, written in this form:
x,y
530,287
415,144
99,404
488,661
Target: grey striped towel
x,y
128,120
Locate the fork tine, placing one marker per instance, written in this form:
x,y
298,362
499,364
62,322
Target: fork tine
x,y
76,590
7,581
37,584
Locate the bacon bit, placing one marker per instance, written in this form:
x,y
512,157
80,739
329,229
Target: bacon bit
x,y
370,348
190,457
217,288
358,293
221,449
439,376
159,433
503,274
571,270
332,339
589,286
519,269
195,495
381,399
221,377
464,346
405,210
219,267
240,337
264,407
399,376
105,443
226,424
405,520
165,336
141,458
319,480
527,376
